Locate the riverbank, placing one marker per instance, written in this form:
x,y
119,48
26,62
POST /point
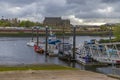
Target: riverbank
x,y
23,67
25,34
54,73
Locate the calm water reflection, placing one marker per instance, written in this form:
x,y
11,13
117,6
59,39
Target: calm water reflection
x,y
15,51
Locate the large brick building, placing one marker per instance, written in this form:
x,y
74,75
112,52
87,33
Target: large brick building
x,y
56,22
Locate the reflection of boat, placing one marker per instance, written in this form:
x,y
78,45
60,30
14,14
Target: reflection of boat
x,y
101,52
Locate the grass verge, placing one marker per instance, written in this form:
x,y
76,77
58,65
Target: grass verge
x,y
35,67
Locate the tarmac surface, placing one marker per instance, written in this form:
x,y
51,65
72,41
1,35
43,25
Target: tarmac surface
x,y
53,75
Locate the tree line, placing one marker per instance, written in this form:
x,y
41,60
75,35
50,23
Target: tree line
x,y
18,23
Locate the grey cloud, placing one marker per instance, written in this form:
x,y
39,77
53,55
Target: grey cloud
x,y
76,2
18,2
43,8
110,1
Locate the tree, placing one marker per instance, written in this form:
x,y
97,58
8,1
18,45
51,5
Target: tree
x,y
4,23
26,24
15,23
104,28
116,32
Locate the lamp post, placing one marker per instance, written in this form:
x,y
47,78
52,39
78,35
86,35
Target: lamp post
x,y
46,42
74,41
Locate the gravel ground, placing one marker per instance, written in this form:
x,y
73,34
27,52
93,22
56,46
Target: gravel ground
x,y
53,75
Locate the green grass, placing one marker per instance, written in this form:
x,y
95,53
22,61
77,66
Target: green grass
x,y
35,67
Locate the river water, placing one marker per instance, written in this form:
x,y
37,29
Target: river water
x,y
13,50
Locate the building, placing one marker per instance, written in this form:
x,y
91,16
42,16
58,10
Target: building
x,y
56,22
66,23
87,27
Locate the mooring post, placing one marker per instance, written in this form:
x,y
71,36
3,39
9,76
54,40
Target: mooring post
x,y
37,35
32,33
74,41
46,42
63,38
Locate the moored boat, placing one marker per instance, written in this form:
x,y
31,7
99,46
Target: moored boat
x,y
53,47
38,49
31,43
106,53
65,51
53,44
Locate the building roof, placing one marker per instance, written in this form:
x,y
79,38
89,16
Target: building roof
x,y
52,18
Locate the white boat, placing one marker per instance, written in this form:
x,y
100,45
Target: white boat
x,y
53,44
31,43
107,53
65,51
83,55
53,47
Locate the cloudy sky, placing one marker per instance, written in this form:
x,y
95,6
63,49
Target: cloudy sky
x,y
78,11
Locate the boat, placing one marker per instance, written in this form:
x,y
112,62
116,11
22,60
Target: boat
x,y
65,51
38,49
31,43
53,47
83,54
105,53
53,44
38,46
52,36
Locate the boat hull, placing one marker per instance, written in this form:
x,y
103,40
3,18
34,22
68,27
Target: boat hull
x,y
31,43
38,49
